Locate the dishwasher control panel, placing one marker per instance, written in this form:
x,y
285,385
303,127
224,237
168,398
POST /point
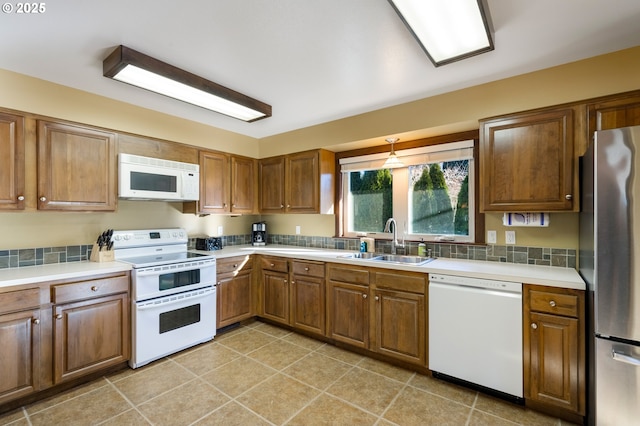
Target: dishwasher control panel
x,y
476,282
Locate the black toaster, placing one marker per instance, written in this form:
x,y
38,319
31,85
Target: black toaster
x,y
209,243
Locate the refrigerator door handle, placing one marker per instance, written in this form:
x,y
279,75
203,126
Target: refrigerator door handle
x,y
625,358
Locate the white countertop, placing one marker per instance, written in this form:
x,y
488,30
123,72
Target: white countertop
x,y
530,274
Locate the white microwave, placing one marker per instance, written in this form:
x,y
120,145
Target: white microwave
x,y
145,178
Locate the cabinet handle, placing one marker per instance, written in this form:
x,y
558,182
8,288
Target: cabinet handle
x,y
552,303
94,288
20,197
568,197
43,199
364,295
59,316
534,325
36,321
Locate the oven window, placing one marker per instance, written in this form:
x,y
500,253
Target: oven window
x,y
179,279
152,182
182,317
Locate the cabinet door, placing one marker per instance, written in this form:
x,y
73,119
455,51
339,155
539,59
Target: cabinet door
x,y
307,299
271,176
348,312
302,183
552,365
275,296
76,168
12,162
19,354
526,162
243,185
234,299
400,325
614,112
214,183
90,335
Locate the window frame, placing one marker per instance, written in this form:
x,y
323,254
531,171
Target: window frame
x,y
476,236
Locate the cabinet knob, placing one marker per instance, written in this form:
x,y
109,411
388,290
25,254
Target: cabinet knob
x,y
306,269
59,316
272,265
36,321
281,206
364,295
235,265
552,303
377,298
288,206
233,206
94,288
568,197
224,205
534,325
218,283
43,199
20,197
286,281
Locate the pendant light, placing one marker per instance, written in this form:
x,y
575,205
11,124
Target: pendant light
x,y
393,161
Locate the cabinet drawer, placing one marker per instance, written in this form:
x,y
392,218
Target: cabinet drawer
x,y
554,303
63,293
233,265
348,274
311,269
400,281
274,264
20,300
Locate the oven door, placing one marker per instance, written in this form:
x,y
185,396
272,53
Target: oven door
x,y
170,324
163,280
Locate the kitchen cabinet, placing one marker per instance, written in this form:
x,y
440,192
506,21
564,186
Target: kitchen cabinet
x,y
615,111
12,162
308,296
400,315
275,289
554,348
227,184
298,183
91,329
20,322
234,290
527,162
76,167
348,304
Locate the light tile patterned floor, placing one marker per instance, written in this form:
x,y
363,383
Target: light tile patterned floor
x,y
259,374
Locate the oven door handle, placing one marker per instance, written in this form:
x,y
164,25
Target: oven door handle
x,y
173,301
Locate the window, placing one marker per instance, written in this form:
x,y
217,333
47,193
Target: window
x,y
431,197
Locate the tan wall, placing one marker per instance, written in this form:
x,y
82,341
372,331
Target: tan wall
x,y
454,111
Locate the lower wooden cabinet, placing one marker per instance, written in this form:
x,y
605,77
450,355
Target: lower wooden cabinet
x,y
349,313
234,290
56,332
275,296
554,348
19,354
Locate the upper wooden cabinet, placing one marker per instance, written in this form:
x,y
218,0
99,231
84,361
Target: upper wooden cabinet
x,y
12,162
614,111
228,184
76,168
527,162
298,183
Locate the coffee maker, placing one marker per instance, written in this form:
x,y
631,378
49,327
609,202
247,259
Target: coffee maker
x,y
259,234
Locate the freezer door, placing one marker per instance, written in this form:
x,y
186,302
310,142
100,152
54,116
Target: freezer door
x,y
617,383
617,234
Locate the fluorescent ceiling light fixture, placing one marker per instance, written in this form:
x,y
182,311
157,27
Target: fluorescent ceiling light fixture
x,y
447,30
393,161
135,68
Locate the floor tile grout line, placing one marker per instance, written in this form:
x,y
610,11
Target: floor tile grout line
x,y
395,398
133,406
66,400
475,399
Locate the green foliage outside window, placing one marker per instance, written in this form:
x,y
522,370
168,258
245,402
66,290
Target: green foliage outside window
x,y
372,199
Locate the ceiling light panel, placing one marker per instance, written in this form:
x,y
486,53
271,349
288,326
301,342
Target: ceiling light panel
x,y
448,30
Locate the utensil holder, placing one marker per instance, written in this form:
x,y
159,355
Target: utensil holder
x,y
98,255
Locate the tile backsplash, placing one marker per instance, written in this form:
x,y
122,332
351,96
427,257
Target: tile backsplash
x,y
549,256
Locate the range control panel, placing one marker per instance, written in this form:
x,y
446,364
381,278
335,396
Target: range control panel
x,y
148,237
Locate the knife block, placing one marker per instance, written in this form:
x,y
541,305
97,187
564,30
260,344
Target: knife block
x,y
98,255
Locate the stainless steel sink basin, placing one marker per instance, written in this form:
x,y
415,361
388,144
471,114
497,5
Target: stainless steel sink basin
x,y
391,258
397,258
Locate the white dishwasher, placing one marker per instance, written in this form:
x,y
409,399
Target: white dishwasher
x,y
475,332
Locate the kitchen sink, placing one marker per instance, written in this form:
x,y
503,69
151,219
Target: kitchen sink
x,y
390,258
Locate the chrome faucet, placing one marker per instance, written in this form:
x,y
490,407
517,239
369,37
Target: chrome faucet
x,y
394,242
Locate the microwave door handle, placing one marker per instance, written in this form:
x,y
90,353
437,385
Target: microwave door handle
x,y
626,358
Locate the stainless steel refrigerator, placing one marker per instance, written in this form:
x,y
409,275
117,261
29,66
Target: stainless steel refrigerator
x,y
610,264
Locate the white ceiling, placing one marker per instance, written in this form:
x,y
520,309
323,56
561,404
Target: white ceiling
x,y
313,60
